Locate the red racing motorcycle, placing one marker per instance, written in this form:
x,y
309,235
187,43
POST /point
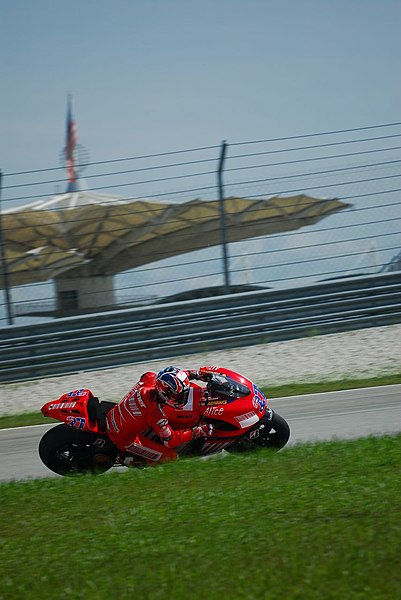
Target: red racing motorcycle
x,y
235,406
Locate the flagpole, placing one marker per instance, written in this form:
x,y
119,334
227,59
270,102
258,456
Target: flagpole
x,y
70,143
4,263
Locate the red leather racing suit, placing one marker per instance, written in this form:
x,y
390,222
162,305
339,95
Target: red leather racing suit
x,y
137,412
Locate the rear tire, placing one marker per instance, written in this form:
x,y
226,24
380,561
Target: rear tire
x,y
67,451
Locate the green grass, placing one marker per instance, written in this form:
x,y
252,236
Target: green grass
x,y
319,521
295,389
21,420
289,389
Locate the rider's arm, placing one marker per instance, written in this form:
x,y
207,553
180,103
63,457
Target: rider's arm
x,y
172,438
203,373
169,437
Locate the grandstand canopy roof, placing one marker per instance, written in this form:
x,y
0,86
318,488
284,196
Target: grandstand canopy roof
x,y
84,233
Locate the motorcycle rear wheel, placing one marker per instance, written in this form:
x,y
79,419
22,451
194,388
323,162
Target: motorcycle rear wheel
x,y
67,451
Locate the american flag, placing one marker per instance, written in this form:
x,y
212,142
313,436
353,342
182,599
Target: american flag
x,y
71,141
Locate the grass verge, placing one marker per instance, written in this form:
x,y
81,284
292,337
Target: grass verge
x,y
289,389
316,521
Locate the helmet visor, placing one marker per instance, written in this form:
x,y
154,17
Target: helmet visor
x,y
181,398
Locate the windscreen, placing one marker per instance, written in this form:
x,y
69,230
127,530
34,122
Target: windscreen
x,y
229,388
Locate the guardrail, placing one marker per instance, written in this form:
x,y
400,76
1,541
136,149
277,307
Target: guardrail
x,y
129,336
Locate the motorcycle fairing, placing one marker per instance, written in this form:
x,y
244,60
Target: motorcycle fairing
x,y
78,409
234,404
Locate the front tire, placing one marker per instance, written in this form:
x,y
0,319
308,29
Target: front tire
x,y
67,451
272,431
278,432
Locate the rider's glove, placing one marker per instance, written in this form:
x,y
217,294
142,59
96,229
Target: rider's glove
x,y
204,430
193,374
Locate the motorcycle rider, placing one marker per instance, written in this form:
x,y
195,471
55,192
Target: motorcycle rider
x,y
142,408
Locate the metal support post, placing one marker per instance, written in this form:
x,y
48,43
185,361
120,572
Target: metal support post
x,y
223,227
4,263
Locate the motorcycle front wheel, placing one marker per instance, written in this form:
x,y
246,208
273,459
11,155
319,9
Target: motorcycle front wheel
x,y
272,431
67,451
277,433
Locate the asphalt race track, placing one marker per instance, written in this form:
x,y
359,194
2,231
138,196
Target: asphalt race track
x,y
344,415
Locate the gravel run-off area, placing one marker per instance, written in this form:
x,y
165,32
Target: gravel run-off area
x,y
364,353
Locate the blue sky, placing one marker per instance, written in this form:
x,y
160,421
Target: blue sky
x,y
151,76
157,75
